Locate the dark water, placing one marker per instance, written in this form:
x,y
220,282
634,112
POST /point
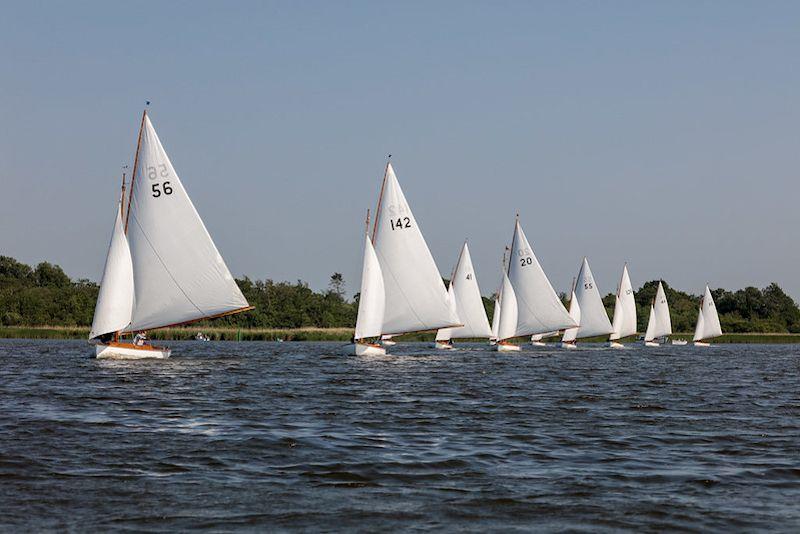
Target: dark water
x,y
292,436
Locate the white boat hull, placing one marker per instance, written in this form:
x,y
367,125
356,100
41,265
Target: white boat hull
x,y
506,347
388,343
616,345
569,346
444,345
364,349
701,344
680,342
128,351
538,343
651,344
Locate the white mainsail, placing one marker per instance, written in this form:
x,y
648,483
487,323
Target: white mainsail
x,y
540,309
707,319
593,316
112,312
466,296
571,334
371,301
649,334
179,276
624,324
663,326
495,318
416,299
507,324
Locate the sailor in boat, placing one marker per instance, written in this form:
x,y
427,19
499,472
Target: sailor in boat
x,y
140,339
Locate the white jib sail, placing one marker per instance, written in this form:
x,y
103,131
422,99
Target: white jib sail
x,y
495,318
507,325
594,318
372,300
112,312
446,334
416,299
624,308
571,334
540,309
698,329
663,321
468,301
178,273
649,334
711,326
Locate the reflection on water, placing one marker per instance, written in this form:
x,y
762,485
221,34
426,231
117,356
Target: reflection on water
x,y
266,435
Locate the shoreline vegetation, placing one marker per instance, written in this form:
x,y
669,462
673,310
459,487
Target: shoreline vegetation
x,y
334,334
43,302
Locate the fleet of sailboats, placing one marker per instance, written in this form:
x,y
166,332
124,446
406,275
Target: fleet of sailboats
x,y
163,269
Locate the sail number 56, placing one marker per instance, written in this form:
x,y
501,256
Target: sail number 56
x,y
165,187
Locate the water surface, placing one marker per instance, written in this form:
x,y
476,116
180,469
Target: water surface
x,y
292,435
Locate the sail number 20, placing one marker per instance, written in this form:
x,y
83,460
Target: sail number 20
x,y
400,223
154,174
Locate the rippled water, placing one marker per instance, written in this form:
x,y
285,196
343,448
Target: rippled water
x,y
267,435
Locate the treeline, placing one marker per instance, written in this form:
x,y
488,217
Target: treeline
x,y
45,296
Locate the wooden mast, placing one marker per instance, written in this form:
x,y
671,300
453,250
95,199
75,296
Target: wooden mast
x,y
135,165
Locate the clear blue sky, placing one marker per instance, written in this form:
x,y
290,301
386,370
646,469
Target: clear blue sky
x,y
665,134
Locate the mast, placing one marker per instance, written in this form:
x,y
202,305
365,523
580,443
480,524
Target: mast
x,y
380,199
121,216
135,165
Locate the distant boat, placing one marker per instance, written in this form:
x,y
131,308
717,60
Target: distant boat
x,y
624,324
708,326
537,340
529,304
415,298
465,295
659,325
162,267
371,304
591,314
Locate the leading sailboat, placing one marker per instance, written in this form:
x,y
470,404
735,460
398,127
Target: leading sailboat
x,y
708,326
162,267
415,298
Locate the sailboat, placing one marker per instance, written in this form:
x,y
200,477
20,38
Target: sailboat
x,y
708,326
415,298
536,307
162,267
371,304
624,324
659,325
465,294
592,317
537,340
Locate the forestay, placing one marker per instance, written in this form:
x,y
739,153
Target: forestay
x,y
112,312
540,309
371,300
624,308
179,276
416,298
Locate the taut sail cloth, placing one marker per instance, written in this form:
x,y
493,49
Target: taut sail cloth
x,y
115,300
571,334
372,301
624,308
593,319
649,334
507,323
540,309
179,276
446,334
467,298
663,326
416,298
495,318
707,319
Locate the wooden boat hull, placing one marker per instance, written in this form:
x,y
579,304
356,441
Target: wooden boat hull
x,y
129,351
506,347
364,349
444,345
